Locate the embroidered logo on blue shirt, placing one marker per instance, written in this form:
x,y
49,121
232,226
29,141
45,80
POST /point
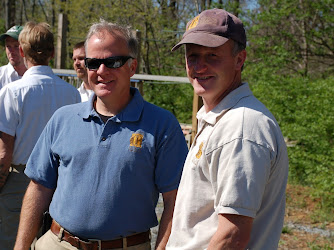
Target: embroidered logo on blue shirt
x,y
136,140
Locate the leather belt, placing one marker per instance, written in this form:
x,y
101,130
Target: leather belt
x,y
131,240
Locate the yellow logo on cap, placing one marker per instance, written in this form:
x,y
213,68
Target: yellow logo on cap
x,y
136,140
193,23
199,153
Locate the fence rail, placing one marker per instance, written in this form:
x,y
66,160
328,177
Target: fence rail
x,y
70,76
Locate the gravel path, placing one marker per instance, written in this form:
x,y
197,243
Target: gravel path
x,y
311,230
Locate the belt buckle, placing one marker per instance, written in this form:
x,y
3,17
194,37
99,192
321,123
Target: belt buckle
x,y
98,243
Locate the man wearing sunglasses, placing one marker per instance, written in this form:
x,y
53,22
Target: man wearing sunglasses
x,y
100,165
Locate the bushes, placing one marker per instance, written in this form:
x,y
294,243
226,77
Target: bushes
x,y
305,111
177,98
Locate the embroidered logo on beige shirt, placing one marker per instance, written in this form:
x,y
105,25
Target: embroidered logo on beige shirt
x,y
199,153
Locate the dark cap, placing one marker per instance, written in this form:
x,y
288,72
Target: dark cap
x,y
13,32
212,28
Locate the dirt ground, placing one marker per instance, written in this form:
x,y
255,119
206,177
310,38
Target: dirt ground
x,y
301,211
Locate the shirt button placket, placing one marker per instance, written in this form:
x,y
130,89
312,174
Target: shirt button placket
x,y
104,141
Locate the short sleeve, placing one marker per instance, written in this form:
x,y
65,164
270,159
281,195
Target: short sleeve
x,y
43,164
240,170
170,159
9,113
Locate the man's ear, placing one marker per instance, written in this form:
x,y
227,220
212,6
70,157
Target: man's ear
x,y
21,51
241,58
133,66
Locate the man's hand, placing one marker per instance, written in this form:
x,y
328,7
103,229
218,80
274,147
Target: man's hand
x,y
6,154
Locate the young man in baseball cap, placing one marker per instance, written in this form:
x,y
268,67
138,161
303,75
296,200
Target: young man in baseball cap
x,y
232,190
15,69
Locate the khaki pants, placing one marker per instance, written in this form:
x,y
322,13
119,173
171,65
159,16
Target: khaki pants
x,y
11,197
50,241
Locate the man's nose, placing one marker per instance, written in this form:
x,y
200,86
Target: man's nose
x,y
102,69
200,64
13,50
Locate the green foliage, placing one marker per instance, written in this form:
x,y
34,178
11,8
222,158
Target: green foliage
x,y
326,246
177,98
3,57
290,66
293,36
157,22
286,230
305,113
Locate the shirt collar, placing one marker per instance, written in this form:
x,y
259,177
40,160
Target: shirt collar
x,y
83,90
130,113
11,70
226,104
39,70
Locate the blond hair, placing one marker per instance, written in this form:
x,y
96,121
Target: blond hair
x,y
36,40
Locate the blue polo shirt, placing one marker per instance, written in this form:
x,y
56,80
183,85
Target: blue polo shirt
x,y
107,177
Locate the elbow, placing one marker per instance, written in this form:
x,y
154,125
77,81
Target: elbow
x,y
240,238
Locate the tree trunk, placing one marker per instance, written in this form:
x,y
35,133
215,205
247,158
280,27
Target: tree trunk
x,y
10,13
304,44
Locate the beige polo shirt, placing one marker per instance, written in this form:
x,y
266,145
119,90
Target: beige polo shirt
x,y
237,164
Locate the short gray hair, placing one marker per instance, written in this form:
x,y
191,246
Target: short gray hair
x,y
115,30
237,47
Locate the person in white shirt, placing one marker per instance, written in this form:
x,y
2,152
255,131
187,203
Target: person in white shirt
x,y
80,68
232,190
15,68
26,105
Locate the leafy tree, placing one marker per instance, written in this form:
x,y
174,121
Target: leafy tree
x,y
293,37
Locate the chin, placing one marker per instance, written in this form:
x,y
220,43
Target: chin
x,y
102,92
199,90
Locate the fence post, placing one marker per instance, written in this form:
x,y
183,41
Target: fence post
x,y
61,41
197,104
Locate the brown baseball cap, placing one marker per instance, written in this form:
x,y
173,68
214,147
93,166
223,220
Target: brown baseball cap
x,y
212,28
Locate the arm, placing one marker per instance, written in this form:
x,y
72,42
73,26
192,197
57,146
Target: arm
x,y
6,155
233,232
166,219
36,201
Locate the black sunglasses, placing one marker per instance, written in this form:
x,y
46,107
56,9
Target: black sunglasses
x,y
110,62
